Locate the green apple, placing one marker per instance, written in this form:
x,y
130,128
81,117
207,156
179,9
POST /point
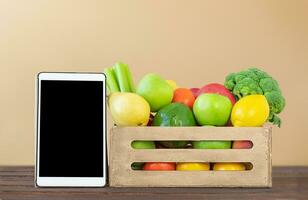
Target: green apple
x,y
155,90
211,144
212,109
143,145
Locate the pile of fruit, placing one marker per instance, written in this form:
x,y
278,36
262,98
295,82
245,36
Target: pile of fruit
x,y
248,98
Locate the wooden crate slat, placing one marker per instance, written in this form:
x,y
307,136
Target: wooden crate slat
x,y
186,133
191,155
190,179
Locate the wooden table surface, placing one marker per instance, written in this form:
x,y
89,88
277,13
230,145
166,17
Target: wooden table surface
x,y
288,183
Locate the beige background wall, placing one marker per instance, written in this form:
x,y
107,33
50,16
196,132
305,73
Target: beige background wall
x,y
191,41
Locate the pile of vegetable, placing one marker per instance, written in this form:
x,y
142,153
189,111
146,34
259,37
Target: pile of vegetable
x,y
256,81
248,98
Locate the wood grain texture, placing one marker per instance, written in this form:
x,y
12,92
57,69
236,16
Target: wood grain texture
x,y
122,155
288,183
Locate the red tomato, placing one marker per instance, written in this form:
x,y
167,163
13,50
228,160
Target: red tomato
x,y
218,89
159,166
185,96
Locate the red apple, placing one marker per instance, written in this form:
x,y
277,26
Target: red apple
x,y
218,89
244,144
195,91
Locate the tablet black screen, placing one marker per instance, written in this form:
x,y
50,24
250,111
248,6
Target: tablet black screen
x,y
71,129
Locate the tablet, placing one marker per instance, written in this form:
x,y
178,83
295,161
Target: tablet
x,y
71,130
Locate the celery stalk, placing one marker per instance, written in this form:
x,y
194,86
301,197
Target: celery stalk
x,y
111,80
120,73
130,79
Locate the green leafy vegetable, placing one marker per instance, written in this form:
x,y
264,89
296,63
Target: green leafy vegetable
x,y
120,72
130,79
119,78
112,84
256,81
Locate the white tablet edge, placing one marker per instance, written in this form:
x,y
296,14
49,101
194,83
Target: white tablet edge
x,y
68,181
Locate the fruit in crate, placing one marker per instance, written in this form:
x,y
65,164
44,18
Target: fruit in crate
x,y
129,109
150,120
195,91
217,88
243,144
212,109
192,166
173,144
159,166
137,166
143,145
184,96
155,90
211,144
207,144
229,167
172,84
255,81
252,110
174,114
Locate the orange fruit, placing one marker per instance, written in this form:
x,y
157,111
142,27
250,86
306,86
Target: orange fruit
x,y
184,96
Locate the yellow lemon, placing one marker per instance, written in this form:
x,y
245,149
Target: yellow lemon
x,y
192,166
172,84
129,109
229,167
252,110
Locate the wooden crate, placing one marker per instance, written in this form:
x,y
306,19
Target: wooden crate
x,y
122,155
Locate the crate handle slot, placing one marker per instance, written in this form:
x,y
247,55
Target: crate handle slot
x,y
188,166
195,144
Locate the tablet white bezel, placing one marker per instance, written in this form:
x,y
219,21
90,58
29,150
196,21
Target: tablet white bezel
x,y
68,181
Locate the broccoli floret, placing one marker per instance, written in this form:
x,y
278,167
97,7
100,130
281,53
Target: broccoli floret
x,y
230,81
273,118
269,85
259,74
256,81
246,86
276,101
